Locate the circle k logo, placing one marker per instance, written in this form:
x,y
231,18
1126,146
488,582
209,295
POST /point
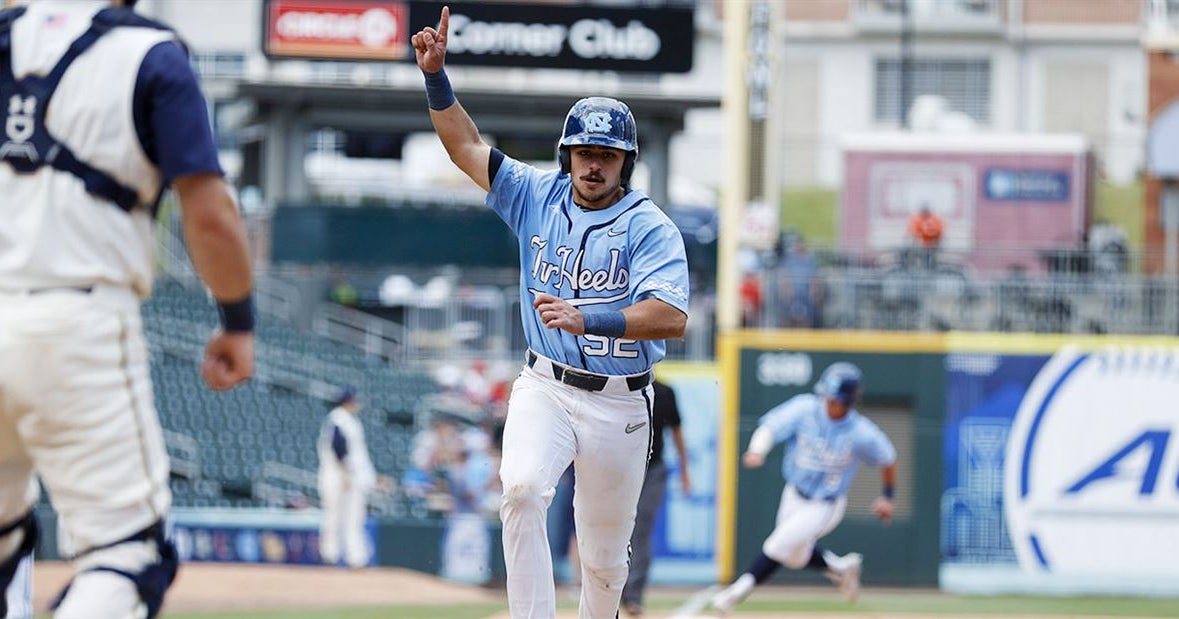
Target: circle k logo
x,y
1091,481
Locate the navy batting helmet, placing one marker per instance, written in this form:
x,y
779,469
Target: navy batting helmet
x,y
600,121
840,382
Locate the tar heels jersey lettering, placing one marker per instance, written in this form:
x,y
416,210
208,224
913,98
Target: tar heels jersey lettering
x,y
822,454
593,260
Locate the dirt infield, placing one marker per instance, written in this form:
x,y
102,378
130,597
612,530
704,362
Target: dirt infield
x,y
231,586
204,587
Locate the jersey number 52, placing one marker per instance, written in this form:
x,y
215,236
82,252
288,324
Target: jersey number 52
x,y
600,346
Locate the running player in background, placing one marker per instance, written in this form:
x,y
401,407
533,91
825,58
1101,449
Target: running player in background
x,y
604,281
825,439
103,112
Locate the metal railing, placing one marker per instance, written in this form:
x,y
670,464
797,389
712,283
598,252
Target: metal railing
x,y
941,297
281,485
375,336
184,454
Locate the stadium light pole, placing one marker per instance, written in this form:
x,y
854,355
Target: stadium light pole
x,y
734,196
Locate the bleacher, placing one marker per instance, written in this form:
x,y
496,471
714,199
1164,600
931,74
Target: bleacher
x,y
255,444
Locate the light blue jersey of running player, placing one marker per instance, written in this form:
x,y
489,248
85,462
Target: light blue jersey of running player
x,y
822,454
597,261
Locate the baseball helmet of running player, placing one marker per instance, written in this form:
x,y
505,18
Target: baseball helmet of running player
x,y
600,121
841,382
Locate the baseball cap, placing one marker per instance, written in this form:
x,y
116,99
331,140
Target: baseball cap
x,y
346,395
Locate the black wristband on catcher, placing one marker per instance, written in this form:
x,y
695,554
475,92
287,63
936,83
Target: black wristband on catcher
x,y
888,491
237,317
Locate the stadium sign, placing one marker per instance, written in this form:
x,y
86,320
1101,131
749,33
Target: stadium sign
x,y
1026,185
1091,482
568,37
326,29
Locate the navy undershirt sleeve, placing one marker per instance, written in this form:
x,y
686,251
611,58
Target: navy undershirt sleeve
x,y
495,160
339,443
171,117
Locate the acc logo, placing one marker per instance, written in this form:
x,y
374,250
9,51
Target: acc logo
x,y
597,122
1091,483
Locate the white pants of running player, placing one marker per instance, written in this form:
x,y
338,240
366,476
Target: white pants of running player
x,y
799,525
76,409
20,592
549,425
343,522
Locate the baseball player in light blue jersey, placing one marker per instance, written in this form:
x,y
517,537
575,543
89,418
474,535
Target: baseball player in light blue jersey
x,y
604,280
825,441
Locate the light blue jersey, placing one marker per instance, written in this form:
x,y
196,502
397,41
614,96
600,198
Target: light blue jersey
x,y
822,454
596,260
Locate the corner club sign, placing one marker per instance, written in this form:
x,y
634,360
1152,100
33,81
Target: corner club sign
x,y
350,29
1091,485
592,38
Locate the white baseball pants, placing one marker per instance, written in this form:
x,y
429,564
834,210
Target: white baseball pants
x,y
76,408
344,511
607,436
799,525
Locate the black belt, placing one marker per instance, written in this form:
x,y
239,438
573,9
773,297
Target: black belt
x,y
827,499
588,380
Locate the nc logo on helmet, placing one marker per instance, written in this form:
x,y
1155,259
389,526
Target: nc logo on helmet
x,y
597,122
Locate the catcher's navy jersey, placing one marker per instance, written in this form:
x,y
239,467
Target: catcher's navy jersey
x,y
596,260
821,453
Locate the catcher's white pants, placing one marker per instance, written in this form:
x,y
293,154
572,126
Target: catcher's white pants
x,y
799,525
549,425
76,408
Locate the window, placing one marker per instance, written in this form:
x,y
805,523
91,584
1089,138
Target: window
x,y
965,83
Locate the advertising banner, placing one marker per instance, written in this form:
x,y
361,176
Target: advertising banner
x,y
1061,476
683,539
251,536
346,30
594,38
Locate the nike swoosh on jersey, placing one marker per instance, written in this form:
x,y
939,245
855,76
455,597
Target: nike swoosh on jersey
x,y
613,232
631,427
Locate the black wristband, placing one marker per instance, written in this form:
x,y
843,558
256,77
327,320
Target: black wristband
x,y
237,317
887,492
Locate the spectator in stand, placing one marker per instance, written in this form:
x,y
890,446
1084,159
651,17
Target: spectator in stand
x,y
925,227
800,290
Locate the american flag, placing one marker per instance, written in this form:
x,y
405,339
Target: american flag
x,y
56,20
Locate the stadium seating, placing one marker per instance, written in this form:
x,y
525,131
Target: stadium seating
x,y
274,418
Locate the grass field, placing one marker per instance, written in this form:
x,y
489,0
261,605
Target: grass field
x,y
778,603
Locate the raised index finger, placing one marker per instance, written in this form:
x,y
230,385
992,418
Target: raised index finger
x,y
444,22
